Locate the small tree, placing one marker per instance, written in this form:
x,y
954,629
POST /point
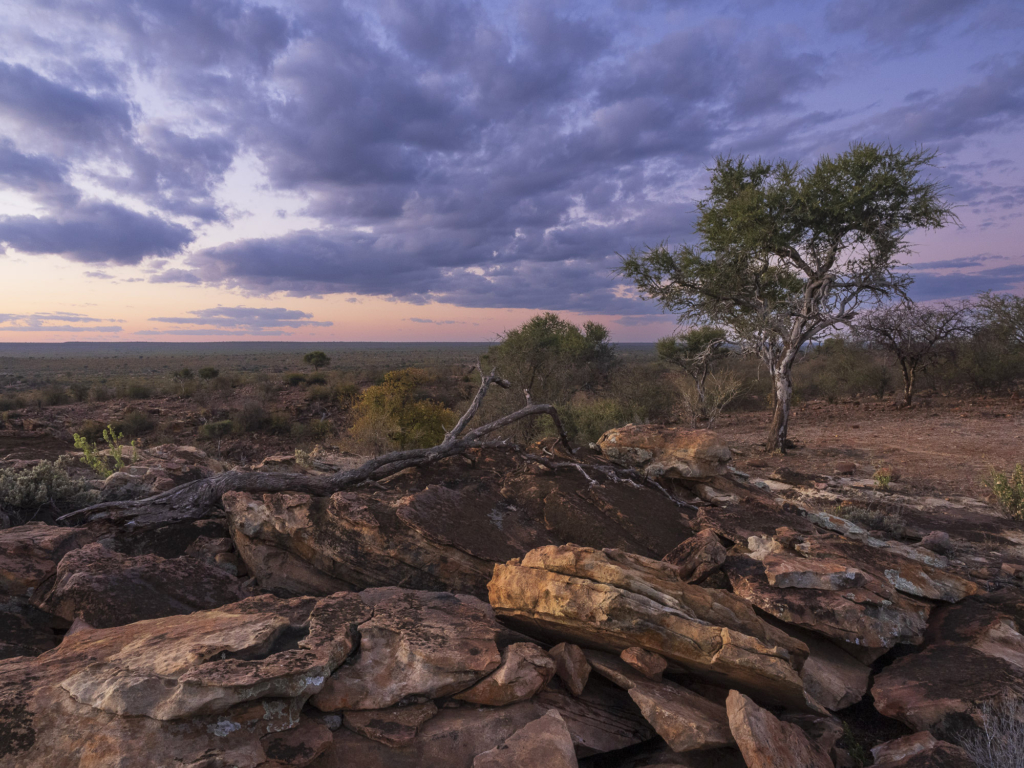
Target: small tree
x,y
317,359
1004,313
916,335
208,373
787,253
389,415
696,351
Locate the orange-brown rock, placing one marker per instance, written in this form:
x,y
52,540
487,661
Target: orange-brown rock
x,y
394,727
767,742
571,666
610,601
27,631
667,452
697,557
525,669
29,555
648,664
417,645
108,589
541,743
921,750
685,720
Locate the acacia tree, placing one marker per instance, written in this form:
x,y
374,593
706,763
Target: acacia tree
x,y
1005,313
695,352
915,334
786,253
317,359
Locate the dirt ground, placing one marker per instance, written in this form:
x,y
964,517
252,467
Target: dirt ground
x,y
941,446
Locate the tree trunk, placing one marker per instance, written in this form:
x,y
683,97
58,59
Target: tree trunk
x,y
783,379
908,384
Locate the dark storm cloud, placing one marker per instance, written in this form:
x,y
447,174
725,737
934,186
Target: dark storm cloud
x,y
95,232
245,318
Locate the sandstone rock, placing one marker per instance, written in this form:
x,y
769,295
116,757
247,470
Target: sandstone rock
x,y
611,601
876,618
648,664
920,750
697,557
25,630
232,676
684,719
29,554
833,677
393,727
788,572
767,742
974,654
602,719
937,541
417,645
822,730
738,522
845,468
282,573
542,743
666,452
525,669
571,666
107,589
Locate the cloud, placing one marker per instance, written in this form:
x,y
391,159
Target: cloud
x,y
901,26
964,261
175,276
95,232
434,322
56,322
929,285
246,319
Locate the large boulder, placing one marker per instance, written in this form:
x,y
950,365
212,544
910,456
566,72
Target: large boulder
x,y
920,750
542,743
667,452
766,741
611,601
215,687
29,555
27,631
108,589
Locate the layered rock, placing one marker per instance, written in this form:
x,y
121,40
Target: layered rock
x,y
767,742
29,555
611,601
571,666
664,452
920,750
107,589
542,743
698,557
525,669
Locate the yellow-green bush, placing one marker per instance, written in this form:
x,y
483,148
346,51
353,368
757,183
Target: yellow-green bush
x,y
389,415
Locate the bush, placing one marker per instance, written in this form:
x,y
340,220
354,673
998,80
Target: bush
x,y
80,391
91,430
999,742
25,492
97,463
216,429
1009,491
11,403
54,395
317,359
251,417
294,379
320,394
137,390
208,373
587,420
644,393
389,415
102,393
136,422
316,378
347,395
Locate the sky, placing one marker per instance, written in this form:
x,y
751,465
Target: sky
x,y
418,170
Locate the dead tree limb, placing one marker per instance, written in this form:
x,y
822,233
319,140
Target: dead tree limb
x,y
194,500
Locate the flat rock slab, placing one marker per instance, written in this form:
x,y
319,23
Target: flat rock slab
x,y
738,522
29,555
393,727
668,452
108,589
684,719
525,669
540,596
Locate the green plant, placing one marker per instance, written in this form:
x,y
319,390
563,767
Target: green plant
x,y
316,378
54,395
857,751
389,415
208,373
294,379
80,391
11,403
115,445
24,492
1009,491
136,422
216,429
317,359
251,417
347,395
137,390
319,394
882,478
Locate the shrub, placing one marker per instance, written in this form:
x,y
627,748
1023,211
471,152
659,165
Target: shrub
x,y
91,430
101,393
321,429
389,415
11,403
1009,491
54,395
279,423
251,417
316,378
882,478
115,443
137,390
320,394
317,359
347,395
80,391
136,422
216,429
999,741
586,421
643,393
208,373
294,379
25,492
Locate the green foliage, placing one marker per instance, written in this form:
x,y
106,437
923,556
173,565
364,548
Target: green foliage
x,y
882,478
682,349
11,403
250,417
294,379
115,446
206,373
316,359
79,391
347,395
91,429
137,390
390,415
49,483
316,378
320,394
184,374
54,395
1009,491
135,423
217,429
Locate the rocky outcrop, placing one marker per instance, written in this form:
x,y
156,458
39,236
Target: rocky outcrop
x,y
107,589
664,452
767,742
393,727
440,537
29,555
542,743
698,557
686,721
525,669
611,601
27,631
648,664
920,750
571,666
